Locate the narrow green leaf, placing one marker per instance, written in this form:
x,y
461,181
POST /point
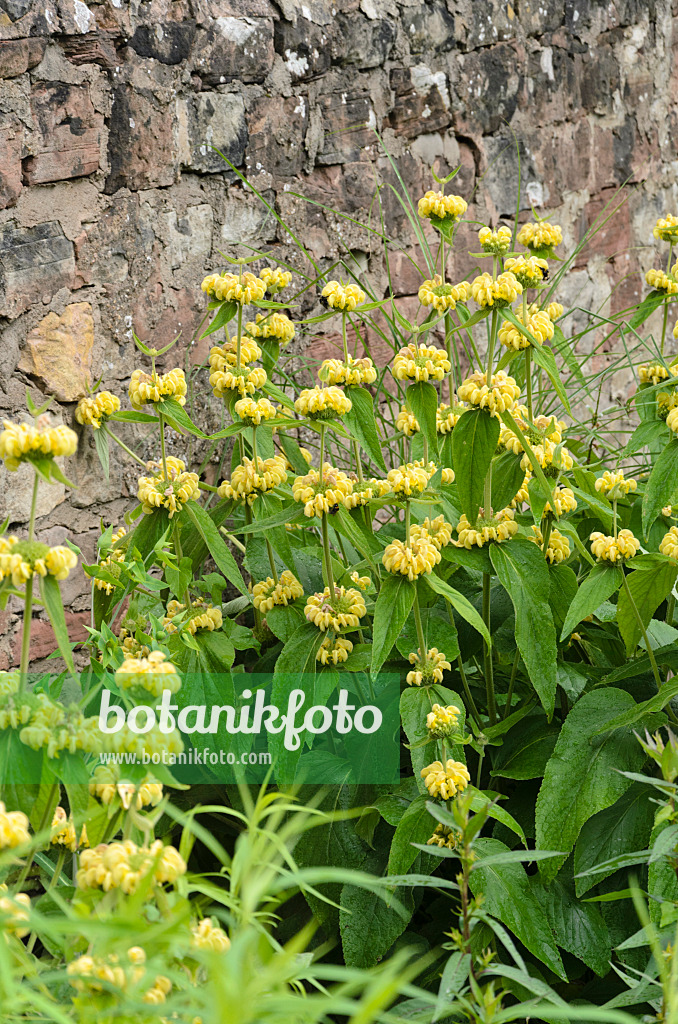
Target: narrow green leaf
x,y
361,422
507,478
647,433
662,484
648,590
224,315
215,545
647,308
460,604
640,711
51,598
422,399
543,356
601,583
177,417
396,597
101,445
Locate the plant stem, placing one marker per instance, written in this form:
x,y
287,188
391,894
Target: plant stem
x,y
528,382
670,608
254,448
34,505
161,418
327,557
650,652
122,444
512,682
26,635
666,300
420,629
343,336
233,540
358,463
322,451
238,340
489,668
547,523
467,691
407,523
271,559
41,827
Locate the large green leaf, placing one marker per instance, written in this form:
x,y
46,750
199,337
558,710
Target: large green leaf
x,y
101,445
177,417
370,925
647,433
619,829
51,598
662,484
578,927
460,603
525,752
474,442
415,704
508,896
422,398
652,706
523,573
584,774
600,584
415,826
224,314
215,544
295,664
647,308
438,631
394,603
649,586
507,478
361,422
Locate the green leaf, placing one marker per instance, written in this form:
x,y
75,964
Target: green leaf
x,y
662,484
224,315
361,422
415,826
460,603
544,357
647,308
369,925
132,416
474,442
600,584
526,751
523,573
177,417
653,706
422,399
619,829
645,434
583,775
578,927
453,979
51,598
394,603
215,545
648,587
508,895
101,445
507,478
438,630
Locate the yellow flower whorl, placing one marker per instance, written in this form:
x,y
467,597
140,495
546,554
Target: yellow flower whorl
x,y
420,363
500,396
499,292
343,612
445,781
13,828
319,496
442,721
418,558
540,236
669,544
407,422
171,492
538,324
96,409
209,936
344,297
442,297
447,416
123,865
666,228
563,501
20,442
661,281
233,288
558,549
250,479
355,371
654,373
153,674
146,388
437,530
429,669
410,480
253,413
269,594
436,205
271,325
22,559
275,279
609,549
497,242
202,615
614,485
225,357
334,652
499,527
323,403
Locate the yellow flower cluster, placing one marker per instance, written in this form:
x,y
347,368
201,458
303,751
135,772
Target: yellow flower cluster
x,y
447,416
171,491
410,480
614,485
322,403
500,396
202,616
497,242
558,549
549,455
20,442
21,559
499,527
243,289
555,310
14,912
13,828
654,373
153,674
435,204
422,362
442,296
443,836
502,291
355,371
55,728
669,543
254,412
445,780
538,324
662,282
145,388
343,296
614,549
540,236
563,501
407,422
225,357
428,669
276,326
90,974
269,594
334,652
250,479
63,831
416,559
209,936
320,496
115,555
442,721
275,279
245,380
96,409
364,492
666,228
437,530
364,582
107,785
124,865
343,612
529,270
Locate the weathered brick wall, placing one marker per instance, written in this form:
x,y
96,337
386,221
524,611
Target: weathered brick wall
x,y
113,206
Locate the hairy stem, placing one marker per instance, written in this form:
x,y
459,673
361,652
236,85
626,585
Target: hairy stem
x,y
650,652
122,444
271,560
489,668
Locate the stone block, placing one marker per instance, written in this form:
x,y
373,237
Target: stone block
x,y
16,491
34,264
235,48
58,352
76,18
245,218
11,143
489,89
169,43
276,136
421,101
19,55
600,80
361,42
342,112
187,236
141,141
304,48
212,119
429,27
69,134
93,48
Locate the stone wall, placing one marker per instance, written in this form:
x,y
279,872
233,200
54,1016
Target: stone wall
x,y
113,204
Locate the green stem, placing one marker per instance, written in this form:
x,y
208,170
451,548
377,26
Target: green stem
x,y
161,419
122,444
358,463
343,336
322,451
420,629
271,559
327,557
407,523
176,538
470,703
254,447
547,524
34,505
528,382
670,608
238,340
666,300
614,514
650,652
233,540
489,668
41,828
512,683
26,635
